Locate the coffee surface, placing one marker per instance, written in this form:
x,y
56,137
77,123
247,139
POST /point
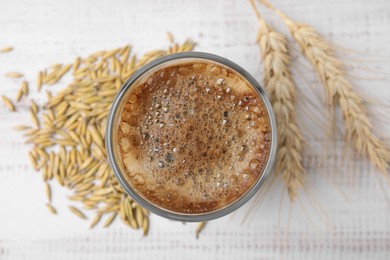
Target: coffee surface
x,y
193,137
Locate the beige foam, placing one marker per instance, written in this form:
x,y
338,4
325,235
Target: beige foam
x,y
195,139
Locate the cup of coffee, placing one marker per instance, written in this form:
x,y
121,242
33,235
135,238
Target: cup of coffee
x,y
191,136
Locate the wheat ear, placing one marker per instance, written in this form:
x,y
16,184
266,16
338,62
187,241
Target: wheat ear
x,y
281,88
358,127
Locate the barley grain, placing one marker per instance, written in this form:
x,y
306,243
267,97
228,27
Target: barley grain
x,y
22,127
96,219
48,191
13,74
77,212
110,219
51,208
139,216
8,103
6,49
39,81
34,118
34,106
145,226
33,160
24,88
19,95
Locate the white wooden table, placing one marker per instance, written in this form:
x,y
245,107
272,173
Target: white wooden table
x,y
350,218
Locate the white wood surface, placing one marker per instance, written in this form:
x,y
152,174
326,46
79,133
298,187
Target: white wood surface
x,y
350,216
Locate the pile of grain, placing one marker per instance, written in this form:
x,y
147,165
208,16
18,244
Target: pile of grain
x,y
68,131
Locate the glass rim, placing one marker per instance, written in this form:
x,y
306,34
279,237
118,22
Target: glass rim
x,y
177,215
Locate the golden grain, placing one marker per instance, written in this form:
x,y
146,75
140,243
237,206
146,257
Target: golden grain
x,y
51,208
56,66
145,211
125,55
79,105
34,118
132,222
44,173
30,132
34,106
22,127
48,191
76,64
139,215
49,95
103,191
32,159
122,210
129,214
92,100
77,212
6,49
145,226
110,54
63,70
13,74
83,187
39,81
96,219
42,154
8,103
86,163
110,219
19,95
76,198
24,88
57,176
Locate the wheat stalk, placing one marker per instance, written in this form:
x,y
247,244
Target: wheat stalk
x,y
359,129
278,82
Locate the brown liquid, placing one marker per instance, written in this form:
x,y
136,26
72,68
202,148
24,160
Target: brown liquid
x,y
193,137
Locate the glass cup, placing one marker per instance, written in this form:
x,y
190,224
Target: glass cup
x,y
115,114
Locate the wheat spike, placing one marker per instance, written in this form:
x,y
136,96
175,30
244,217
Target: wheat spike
x,y
359,129
281,88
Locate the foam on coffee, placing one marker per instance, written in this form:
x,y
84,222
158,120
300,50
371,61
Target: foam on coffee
x,y
193,137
